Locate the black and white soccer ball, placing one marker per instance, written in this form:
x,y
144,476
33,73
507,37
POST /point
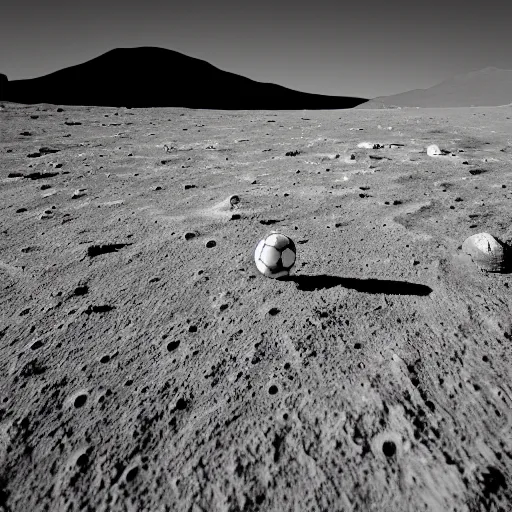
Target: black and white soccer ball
x,y
275,255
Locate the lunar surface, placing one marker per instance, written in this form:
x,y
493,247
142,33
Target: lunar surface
x,y
146,364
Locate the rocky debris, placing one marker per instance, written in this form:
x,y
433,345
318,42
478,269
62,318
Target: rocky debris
x,y
48,214
72,123
370,145
79,192
16,174
292,153
26,134
188,186
487,252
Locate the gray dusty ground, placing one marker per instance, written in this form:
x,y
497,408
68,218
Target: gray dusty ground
x,y
142,370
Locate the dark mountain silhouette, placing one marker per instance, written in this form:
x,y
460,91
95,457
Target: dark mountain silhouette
x,y
155,77
486,87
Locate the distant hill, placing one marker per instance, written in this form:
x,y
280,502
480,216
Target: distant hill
x,y
486,87
156,77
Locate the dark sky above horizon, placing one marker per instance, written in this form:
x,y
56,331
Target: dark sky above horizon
x,y
354,48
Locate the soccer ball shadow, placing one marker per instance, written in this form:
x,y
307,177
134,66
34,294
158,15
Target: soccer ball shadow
x,y
388,287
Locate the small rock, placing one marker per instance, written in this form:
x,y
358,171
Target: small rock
x,y
234,201
78,193
433,150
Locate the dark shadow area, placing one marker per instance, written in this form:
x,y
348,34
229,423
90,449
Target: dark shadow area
x,y
156,77
322,282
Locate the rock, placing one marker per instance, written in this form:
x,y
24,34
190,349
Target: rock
x,y
486,251
368,145
3,86
234,201
79,192
433,150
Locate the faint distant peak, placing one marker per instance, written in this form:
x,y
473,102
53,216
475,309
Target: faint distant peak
x,y
489,86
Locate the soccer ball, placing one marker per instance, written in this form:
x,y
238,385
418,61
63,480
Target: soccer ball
x,y
275,255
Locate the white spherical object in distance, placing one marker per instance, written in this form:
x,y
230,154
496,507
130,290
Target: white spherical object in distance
x,y
275,255
433,150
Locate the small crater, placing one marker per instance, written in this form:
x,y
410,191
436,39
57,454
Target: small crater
x,y
181,404
81,290
80,401
272,389
130,476
210,244
173,345
37,344
388,448
82,461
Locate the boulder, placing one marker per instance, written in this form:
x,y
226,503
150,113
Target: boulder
x,y
486,251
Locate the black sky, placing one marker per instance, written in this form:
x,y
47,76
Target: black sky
x,y
361,48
